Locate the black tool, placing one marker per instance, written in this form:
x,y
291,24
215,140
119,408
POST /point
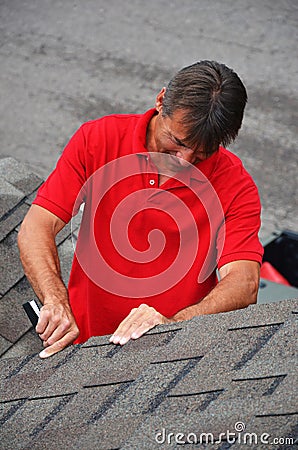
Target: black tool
x,y
32,311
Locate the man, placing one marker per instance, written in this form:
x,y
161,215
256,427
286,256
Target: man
x,y
165,205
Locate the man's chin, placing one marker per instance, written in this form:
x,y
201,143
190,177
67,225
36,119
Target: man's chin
x,y
169,164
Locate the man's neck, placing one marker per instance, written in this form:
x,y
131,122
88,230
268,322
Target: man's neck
x,y
150,141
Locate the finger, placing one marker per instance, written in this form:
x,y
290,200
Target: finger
x,y
125,325
128,326
143,318
127,320
58,345
137,330
147,325
152,318
59,332
57,327
123,332
142,329
135,314
42,321
123,337
47,322
54,318
52,325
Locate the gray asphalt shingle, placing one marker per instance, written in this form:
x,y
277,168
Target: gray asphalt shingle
x,y
10,197
19,176
246,374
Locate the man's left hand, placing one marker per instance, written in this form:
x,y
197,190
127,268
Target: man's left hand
x,y
139,321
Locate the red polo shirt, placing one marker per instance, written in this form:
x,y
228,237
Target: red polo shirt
x,y
140,242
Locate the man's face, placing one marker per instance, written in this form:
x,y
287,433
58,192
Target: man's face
x,y
167,136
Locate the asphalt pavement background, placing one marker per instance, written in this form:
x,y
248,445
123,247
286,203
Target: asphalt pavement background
x,y
63,62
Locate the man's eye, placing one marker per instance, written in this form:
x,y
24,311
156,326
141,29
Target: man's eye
x,y
180,143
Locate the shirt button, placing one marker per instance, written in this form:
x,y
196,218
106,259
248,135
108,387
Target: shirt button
x,y
152,182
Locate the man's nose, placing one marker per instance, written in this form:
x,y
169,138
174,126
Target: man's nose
x,y
186,154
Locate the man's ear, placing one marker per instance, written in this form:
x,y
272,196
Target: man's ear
x,y
159,100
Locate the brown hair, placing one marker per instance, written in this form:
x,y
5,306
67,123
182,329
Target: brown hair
x,y
213,98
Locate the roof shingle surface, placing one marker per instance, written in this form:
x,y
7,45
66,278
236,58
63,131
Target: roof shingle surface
x,y
200,376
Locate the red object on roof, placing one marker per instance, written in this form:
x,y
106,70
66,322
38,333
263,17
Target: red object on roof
x,y
268,272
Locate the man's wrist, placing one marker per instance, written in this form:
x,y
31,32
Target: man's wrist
x,y
187,313
56,300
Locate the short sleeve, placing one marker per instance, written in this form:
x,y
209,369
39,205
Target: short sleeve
x,y
238,236
63,187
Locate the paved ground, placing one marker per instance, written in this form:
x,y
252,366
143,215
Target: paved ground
x,y
64,62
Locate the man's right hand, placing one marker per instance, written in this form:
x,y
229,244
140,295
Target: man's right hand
x,y
56,327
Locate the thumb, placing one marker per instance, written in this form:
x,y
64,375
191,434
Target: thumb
x,y
52,349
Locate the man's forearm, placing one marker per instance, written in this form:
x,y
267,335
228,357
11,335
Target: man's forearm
x,y
39,256
235,291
